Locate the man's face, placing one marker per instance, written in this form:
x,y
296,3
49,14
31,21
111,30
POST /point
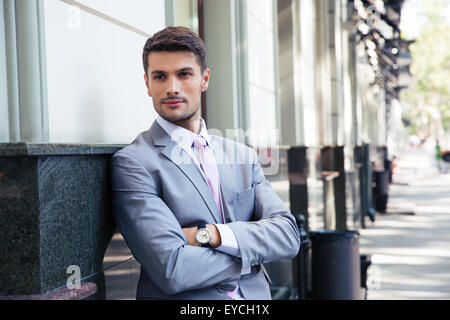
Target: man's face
x,y
175,82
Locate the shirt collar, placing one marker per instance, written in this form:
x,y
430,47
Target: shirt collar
x,y
183,137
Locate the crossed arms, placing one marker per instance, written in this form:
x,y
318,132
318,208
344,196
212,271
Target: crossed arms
x,y
169,253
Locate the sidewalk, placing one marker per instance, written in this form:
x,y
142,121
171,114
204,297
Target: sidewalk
x,y
411,253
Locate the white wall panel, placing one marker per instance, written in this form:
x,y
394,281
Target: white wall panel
x,y
141,14
262,117
262,10
261,71
96,88
260,51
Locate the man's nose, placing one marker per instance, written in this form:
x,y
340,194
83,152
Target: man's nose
x,y
173,88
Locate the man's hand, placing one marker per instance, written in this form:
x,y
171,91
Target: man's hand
x,y
215,241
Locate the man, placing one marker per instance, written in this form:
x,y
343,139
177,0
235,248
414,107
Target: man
x,y
195,209
440,163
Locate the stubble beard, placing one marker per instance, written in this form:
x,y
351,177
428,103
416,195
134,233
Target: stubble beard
x,y
177,119
180,118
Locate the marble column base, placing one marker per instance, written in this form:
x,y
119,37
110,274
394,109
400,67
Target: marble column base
x,y
85,291
55,212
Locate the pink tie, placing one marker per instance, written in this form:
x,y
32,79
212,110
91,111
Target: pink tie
x,y
209,167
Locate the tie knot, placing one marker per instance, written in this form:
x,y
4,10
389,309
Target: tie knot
x,y
199,142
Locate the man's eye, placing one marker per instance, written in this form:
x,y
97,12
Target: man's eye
x,y
184,74
159,77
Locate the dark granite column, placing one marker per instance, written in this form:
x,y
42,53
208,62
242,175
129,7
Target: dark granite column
x,y
298,175
381,173
362,159
333,175
352,185
298,198
55,212
340,188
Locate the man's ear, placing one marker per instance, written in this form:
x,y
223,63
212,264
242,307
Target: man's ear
x,y
147,84
205,80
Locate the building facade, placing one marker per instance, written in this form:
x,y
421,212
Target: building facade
x,y
319,75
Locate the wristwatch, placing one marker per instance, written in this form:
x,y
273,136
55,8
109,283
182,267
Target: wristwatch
x,y
203,235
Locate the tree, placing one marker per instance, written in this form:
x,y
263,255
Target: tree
x,y
430,87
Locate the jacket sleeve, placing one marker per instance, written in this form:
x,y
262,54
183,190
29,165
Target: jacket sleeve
x,y
273,233
155,237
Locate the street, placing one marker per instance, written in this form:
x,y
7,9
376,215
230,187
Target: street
x,y
410,244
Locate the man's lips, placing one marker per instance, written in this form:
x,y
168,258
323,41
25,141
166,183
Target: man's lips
x,y
173,103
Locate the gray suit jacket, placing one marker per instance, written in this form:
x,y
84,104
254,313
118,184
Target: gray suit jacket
x,y
158,190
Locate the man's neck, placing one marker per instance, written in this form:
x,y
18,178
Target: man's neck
x,y
192,125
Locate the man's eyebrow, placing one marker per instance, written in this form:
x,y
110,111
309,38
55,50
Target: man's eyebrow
x,y
186,69
157,72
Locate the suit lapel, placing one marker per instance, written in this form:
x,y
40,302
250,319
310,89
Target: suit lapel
x,y
172,151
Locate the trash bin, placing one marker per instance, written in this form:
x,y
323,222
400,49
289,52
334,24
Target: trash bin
x,y
336,268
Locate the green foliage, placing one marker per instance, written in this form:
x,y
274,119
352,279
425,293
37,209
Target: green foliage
x,y
430,88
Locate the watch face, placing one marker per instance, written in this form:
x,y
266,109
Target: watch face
x,y
203,236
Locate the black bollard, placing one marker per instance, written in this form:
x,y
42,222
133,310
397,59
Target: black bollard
x,y
305,245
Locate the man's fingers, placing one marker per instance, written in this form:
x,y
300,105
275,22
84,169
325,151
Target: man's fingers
x,y
190,235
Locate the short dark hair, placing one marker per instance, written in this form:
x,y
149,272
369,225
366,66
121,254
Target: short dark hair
x,y
175,39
